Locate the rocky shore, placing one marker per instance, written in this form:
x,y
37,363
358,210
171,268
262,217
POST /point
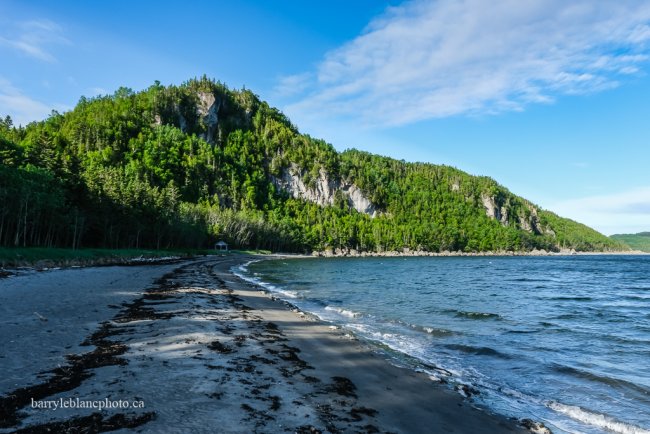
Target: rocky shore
x,y
330,253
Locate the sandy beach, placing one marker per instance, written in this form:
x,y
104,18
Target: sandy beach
x,y
190,347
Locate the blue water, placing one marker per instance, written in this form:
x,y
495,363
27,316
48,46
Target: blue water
x,y
563,340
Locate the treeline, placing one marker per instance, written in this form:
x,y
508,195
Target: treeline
x,y
437,208
639,241
183,166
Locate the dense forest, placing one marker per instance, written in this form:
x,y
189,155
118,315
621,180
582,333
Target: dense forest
x,y
183,166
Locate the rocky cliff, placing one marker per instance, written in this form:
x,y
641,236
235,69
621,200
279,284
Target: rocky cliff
x,y
208,111
526,218
322,190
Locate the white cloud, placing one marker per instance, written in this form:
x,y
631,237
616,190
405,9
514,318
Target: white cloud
x,y
292,84
624,212
431,59
640,33
20,107
34,38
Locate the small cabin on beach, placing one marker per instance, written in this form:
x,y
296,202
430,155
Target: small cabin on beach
x,y
221,246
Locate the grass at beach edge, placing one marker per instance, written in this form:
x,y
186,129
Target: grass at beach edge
x,y
44,257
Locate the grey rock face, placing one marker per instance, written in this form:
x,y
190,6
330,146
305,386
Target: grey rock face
x,y
322,191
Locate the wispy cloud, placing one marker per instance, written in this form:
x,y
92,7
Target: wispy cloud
x,y
431,59
627,211
21,107
291,85
34,38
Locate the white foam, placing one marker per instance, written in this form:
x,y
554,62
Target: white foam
x,y
282,292
344,312
402,344
242,271
595,419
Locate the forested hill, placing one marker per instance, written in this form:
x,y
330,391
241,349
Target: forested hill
x,y
640,241
183,166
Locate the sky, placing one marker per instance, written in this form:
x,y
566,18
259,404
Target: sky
x,y
550,98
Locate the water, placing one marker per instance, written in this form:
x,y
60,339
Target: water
x,y
563,340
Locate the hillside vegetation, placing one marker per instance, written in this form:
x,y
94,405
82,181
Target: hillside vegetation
x,y
183,166
640,241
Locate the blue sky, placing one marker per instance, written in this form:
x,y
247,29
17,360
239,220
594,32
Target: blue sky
x,y
550,98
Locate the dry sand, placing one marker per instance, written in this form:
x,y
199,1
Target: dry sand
x,y
205,352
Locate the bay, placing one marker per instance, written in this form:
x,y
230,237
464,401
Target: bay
x,y
563,340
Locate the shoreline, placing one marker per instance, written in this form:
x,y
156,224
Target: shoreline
x,y
45,264
232,357
338,253
143,260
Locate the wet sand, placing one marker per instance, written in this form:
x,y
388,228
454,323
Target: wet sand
x,y
200,350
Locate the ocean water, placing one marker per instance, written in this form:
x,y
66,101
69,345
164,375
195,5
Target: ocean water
x,y
562,340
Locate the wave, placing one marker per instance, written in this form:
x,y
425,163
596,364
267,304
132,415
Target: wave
x,y
433,331
344,312
479,351
645,343
242,272
524,279
523,331
636,297
638,288
568,316
244,266
477,315
569,298
595,419
610,381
